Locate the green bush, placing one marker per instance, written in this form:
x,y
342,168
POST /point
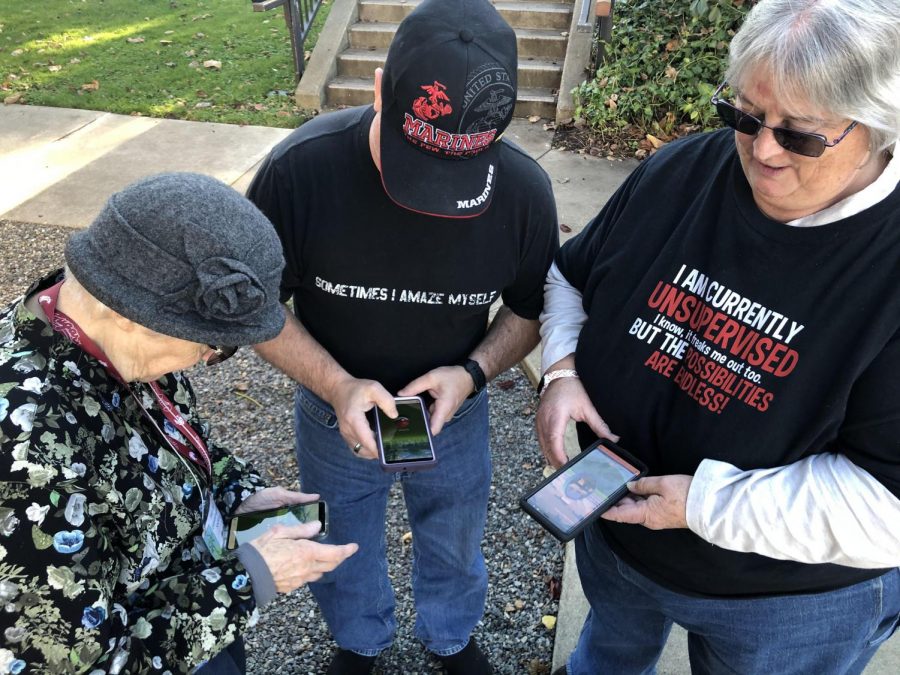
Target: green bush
x,y
660,68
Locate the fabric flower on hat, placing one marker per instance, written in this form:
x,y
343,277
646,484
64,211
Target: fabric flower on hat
x,y
228,289
225,290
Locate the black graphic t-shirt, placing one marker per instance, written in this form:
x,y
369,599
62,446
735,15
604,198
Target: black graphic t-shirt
x,y
714,332
391,293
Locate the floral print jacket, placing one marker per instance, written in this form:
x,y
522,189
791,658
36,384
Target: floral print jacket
x,y
102,569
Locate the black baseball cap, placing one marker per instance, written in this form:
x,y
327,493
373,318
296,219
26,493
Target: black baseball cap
x,y
447,93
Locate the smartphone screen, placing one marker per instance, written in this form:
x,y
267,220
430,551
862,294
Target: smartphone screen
x,y
248,526
579,490
406,438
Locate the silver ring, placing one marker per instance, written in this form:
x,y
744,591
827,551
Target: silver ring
x,y
356,448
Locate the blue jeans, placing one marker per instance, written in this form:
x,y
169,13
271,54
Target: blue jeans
x,y
447,507
630,618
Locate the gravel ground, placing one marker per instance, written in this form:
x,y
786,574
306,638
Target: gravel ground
x,y
250,405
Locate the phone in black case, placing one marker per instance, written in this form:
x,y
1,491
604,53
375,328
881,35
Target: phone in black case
x,y
582,489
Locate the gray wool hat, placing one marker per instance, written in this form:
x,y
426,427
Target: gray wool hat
x,y
187,256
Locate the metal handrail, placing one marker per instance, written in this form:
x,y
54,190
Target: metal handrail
x,y
299,16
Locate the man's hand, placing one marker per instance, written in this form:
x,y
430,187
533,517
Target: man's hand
x,y
272,498
352,399
657,502
293,560
563,400
448,386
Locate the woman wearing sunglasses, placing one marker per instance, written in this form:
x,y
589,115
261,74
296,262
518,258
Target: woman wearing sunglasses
x,y
732,317
112,495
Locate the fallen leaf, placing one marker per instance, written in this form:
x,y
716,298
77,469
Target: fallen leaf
x,y
134,40
548,471
509,608
554,586
672,45
671,73
562,180
282,113
506,385
171,64
190,52
54,69
17,52
548,621
259,106
15,98
165,42
242,385
534,118
212,64
194,64
168,32
519,604
203,104
564,228
654,141
199,35
93,85
75,60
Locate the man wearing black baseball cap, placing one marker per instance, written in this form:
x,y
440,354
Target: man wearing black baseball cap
x,y
402,223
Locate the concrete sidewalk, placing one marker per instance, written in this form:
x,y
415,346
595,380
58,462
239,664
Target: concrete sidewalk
x,y
58,166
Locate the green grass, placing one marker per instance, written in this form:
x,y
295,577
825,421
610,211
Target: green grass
x,y
77,54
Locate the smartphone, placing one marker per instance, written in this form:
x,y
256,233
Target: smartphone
x,y
248,526
405,443
585,487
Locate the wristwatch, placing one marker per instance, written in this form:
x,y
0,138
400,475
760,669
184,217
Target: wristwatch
x,y
473,369
555,375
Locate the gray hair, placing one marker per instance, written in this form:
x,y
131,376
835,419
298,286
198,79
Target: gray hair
x,y
842,56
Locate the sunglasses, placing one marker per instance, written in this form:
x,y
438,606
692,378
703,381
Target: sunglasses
x,y
220,354
799,142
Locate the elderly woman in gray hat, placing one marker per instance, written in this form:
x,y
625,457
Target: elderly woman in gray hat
x,y
112,495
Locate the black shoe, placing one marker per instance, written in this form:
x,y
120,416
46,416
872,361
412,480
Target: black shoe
x,y
345,662
469,661
561,671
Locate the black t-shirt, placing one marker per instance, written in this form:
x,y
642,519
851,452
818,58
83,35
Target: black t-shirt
x,y
715,332
391,293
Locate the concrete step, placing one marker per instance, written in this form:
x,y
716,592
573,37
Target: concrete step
x,y
531,42
351,91
531,72
519,14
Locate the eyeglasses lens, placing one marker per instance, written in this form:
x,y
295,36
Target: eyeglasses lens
x,y
792,141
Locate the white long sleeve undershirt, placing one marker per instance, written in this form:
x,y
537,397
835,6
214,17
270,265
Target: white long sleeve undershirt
x,y
821,509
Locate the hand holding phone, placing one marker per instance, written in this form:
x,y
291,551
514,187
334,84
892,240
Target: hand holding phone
x,y
246,527
404,442
583,489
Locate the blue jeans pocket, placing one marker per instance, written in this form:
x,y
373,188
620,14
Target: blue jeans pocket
x,y
468,406
884,631
316,409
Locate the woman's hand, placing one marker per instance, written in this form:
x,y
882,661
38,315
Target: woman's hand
x,y
272,498
293,560
563,400
657,502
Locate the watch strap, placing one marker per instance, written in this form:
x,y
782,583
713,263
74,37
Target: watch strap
x,y
474,369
